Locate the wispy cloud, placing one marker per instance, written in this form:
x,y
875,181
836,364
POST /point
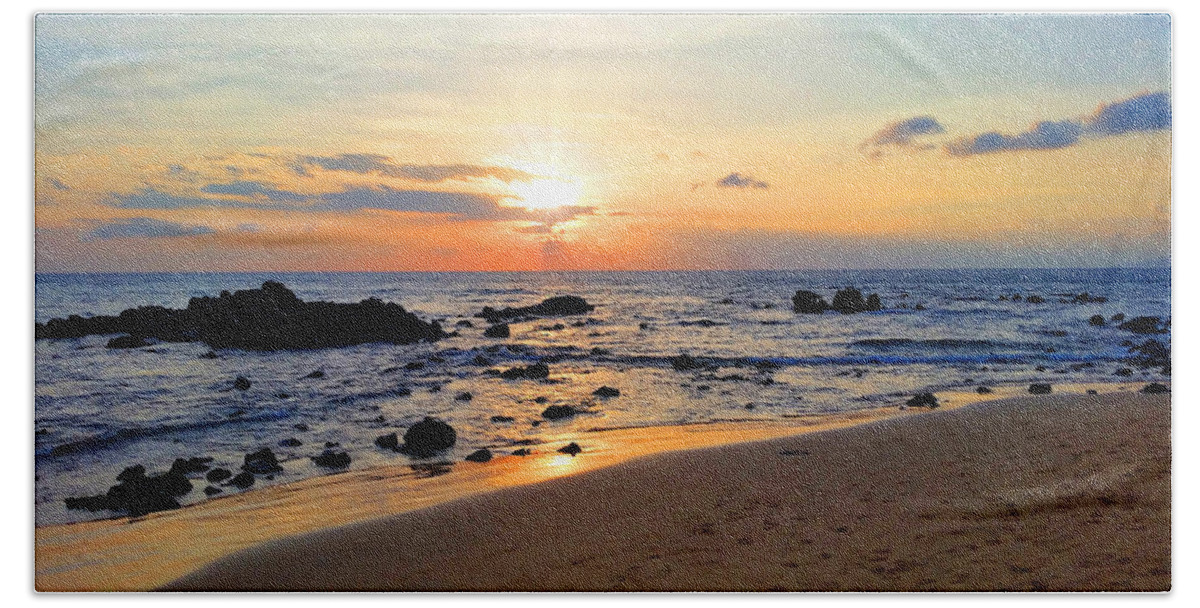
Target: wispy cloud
x,y
144,227
1046,135
253,189
737,180
902,135
377,163
57,185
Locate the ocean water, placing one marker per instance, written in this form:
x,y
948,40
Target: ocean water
x,y
98,410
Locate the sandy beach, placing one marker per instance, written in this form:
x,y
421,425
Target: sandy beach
x,y
1056,492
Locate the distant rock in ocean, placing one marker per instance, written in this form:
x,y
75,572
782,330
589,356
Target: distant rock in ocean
x,y
846,301
270,318
557,306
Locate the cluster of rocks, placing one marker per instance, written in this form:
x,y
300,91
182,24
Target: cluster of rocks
x,y
270,318
422,440
1146,325
846,301
138,494
557,306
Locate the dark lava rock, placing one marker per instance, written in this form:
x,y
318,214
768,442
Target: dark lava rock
x,y
1035,299
1145,325
482,455
983,390
332,444
241,383
127,342
332,460
481,361
606,392
388,442
502,419
300,426
464,323
557,306
315,374
185,466
1151,353
261,462
211,490
537,371
209,355
414,365
1155,388
242,480
685,362
522,452
464,396
541,399
809,302
1123,371
1086,298
427,437
558,412
923,400
1092,391
571,448
497,331
137,494
218,474
290,442
850,300
270,318
1097,320
1118,317
1039,389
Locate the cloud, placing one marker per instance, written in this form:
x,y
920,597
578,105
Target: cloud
x,y
255,190
144,227
461,205
153,198
1145,112
1045,135
901,135
363,164
737,180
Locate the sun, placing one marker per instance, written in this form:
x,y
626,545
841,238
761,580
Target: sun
x,y
548,192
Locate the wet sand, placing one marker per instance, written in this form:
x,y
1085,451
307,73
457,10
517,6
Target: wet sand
x,y
1057,492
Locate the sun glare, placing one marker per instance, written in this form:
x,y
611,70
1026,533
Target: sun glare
x,y
548,193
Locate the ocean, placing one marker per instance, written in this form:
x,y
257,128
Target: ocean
x,y
99,410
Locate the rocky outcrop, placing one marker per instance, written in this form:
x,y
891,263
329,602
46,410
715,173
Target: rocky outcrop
x,y
270,318
499,330
137,494
923,400
809,302
846,301
1146,325
571,448
557,306
428,437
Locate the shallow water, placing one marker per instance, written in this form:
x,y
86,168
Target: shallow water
x,y
99,410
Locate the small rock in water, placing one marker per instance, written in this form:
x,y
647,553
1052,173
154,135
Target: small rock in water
x,y
218,474
1035,299
541,399
1145,325
923,400
684,362
316,374
522,452
300,427
500,330
558,412
1117,317
1155,388
211,490
502,419
241,383
185,466
290,442
261,462
464,396
1123,371
1039,389
242,480
1097,320
1092,391
571,448
481,455
606,392
332,460
983,390
809,303
537,371
387,442
426,438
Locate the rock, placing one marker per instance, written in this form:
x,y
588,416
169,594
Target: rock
x,y
482,455
873,303
502,419
315,374
387,442
414,365
464,323
541,399
137,494
1035,299
481,361
300,426
571,448
606,392
241,383
1117,317
923,400
1155,388
290,442
242,480
261,462
1086,298
558,412
209,355
497,331
185,466
211,490
522,452
1151,353
685,362
1145,325
850,301
332,444
1123,371
1039,389
332,460
428,437
464,396
557,306
1097,320
218,474
983,390
127,342
537,371
270,318
919,307
809,302
1092,391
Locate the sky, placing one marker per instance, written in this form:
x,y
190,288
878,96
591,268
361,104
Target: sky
x,y
644,142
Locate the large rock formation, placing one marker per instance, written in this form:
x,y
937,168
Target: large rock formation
x,y
270,318
557,306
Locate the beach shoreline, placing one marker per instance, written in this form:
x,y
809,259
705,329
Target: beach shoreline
x,y
1057,492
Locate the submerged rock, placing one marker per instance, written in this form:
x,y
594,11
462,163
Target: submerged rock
x,y
1035,299
1145,325
557,306
537,371
502,419
185,466
241,383
685,362
481,455
428,437
269,318
290,442
315,374
464,396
